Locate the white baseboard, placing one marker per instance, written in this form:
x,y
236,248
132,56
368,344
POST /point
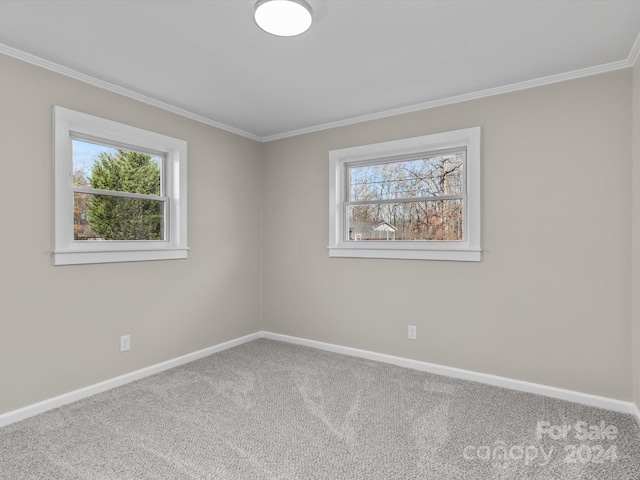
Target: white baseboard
x,y
55,402
553,392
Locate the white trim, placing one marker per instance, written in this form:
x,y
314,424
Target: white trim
x,y
490,92
561,77
55,402
96,82
635,52
406,254
468,249
75,257
512,384
67,124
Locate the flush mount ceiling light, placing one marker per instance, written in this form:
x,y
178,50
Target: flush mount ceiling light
x,y
284,18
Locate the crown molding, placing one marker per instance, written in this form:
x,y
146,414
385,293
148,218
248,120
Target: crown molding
x,y
634,52
631,59
490,92
96,82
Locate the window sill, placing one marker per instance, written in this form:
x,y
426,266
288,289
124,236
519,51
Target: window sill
x,y
407,254
76,257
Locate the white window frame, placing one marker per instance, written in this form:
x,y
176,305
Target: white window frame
x,y
67,251
468,249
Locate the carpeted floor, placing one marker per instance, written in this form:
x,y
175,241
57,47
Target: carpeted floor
x,y
271,410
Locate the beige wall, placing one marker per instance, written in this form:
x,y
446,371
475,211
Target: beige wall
x,y
60,326
549,303
636,233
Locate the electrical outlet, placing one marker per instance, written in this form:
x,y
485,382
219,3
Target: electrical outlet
x,y
125,343
413,332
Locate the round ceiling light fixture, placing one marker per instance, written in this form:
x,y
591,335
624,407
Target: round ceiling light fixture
x,y
284,18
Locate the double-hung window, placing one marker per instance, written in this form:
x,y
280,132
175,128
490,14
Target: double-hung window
x,y
120,192
411,198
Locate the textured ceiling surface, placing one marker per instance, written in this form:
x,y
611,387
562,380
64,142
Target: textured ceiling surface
x,y
359,57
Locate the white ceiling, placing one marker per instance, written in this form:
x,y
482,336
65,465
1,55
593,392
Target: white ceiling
x,y
360,58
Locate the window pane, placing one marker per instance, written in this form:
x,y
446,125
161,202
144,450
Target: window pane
x,y
108,168
428,220
104,217
431,176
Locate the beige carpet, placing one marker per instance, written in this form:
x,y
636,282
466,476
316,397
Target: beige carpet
x,y
270,410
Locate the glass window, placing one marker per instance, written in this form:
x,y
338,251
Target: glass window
x,y
117,193
120,192
415,198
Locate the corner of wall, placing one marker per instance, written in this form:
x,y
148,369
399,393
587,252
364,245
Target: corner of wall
x,y
261,236
635,283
